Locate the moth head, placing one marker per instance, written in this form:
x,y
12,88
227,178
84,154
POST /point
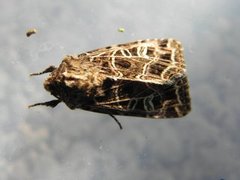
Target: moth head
x,y
73,77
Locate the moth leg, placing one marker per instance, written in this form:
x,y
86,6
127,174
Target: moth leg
x,y
48,70
51,103
119,124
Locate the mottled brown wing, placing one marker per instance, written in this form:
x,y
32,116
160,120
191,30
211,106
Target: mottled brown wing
x,y
144,78
134,98
157,61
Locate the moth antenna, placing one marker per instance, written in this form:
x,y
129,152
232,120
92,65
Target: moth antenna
x,y
119,124
48,70
51,103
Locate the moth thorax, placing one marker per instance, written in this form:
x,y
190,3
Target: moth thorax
x,y
86,78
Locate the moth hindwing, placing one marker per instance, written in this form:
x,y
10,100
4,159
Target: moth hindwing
x,y
145,78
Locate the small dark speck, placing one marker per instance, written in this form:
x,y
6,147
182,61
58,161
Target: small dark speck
x,y
143,41
108,47
31,32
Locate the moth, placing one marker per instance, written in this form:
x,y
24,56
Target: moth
x,y
145,78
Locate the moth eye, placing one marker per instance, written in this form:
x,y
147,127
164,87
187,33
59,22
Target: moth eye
x,y
121,63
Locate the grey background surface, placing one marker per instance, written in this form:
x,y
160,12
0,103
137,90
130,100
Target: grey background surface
x,y
44,143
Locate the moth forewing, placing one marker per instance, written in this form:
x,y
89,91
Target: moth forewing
x,y
145,78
